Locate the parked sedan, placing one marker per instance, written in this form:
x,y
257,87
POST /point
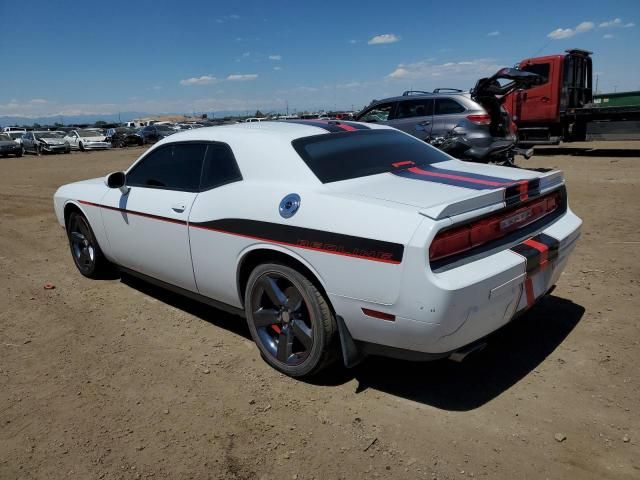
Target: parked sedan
x,y
87,139
124,137
154,133
8,146
44,142
333,239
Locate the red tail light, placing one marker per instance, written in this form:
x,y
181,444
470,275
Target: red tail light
x,y
480,119
460,239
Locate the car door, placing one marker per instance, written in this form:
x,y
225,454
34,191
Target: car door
x,y
414,116
446,116
147,226
72,138
28,142
215,254
538,103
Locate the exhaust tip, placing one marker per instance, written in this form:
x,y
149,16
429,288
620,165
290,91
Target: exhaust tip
x,y
460,355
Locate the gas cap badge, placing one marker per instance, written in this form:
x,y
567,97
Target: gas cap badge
x,y
289,205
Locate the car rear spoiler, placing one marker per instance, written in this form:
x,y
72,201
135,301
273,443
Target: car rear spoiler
x,y
549,181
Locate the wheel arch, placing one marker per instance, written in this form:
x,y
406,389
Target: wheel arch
x,y
259,254
69,207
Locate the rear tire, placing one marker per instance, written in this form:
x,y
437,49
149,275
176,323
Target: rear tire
x,y
85,251
282,305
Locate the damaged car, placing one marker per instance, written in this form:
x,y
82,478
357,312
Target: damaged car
x,y
471,126
44,142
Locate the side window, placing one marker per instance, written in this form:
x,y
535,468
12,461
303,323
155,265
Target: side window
x,y
379,113
445,106
415,108
173,167
539,68
220,167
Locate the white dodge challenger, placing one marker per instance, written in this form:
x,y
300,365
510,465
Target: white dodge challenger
x,y
331,238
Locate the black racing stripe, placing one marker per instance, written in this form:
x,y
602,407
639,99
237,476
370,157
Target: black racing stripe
x,y
521,191
441,180
307,238
552,244
329,127
531,255
329,242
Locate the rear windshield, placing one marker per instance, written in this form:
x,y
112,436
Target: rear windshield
x,y
341,156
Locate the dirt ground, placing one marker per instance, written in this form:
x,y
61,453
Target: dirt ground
x,y
120,380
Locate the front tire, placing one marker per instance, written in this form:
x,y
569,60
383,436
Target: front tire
x,y
290,320
85,250
81,147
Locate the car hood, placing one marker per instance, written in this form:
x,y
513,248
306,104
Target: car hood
x,y
53,141
451,187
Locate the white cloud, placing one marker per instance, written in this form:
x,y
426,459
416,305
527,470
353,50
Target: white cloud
x,y
242,78
203,80
275,57
427,69
607,36
384,38
277,68
246,54
39,101
353,42
560,33
616,22
495,33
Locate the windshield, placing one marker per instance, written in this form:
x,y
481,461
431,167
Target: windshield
x,y
164,128
90,133
342,156
16,135
4,137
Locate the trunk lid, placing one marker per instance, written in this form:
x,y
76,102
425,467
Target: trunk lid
x,y
450,188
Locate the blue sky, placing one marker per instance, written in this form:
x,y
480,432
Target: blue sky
x,y
73,58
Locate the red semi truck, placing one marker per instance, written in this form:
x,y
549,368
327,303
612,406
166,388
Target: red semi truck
x,y
562,108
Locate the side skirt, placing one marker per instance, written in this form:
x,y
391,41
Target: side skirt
x,y
184,292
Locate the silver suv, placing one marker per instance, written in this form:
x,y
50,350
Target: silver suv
x,y
469,125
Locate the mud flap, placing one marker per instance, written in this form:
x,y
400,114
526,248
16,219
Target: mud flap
x,y
351,355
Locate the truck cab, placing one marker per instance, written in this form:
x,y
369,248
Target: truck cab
x,y
543,112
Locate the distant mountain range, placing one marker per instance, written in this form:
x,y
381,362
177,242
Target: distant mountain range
x,y
10,120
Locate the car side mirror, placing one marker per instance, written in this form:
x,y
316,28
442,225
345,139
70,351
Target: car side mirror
x,y
117,180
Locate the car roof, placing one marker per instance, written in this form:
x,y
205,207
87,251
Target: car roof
x,y
263,150
466,95
281,129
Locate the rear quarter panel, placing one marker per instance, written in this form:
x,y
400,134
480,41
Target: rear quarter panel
x,y
218,255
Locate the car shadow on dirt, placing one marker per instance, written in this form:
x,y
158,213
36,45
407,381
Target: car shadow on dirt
x,y
512,353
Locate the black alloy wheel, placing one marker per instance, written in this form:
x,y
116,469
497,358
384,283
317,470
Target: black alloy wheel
x,y
290,320
85,250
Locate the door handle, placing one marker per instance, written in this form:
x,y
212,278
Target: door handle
x,y
178,207
545,99
425,123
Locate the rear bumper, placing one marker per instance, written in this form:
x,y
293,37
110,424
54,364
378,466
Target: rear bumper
x,y
439,313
